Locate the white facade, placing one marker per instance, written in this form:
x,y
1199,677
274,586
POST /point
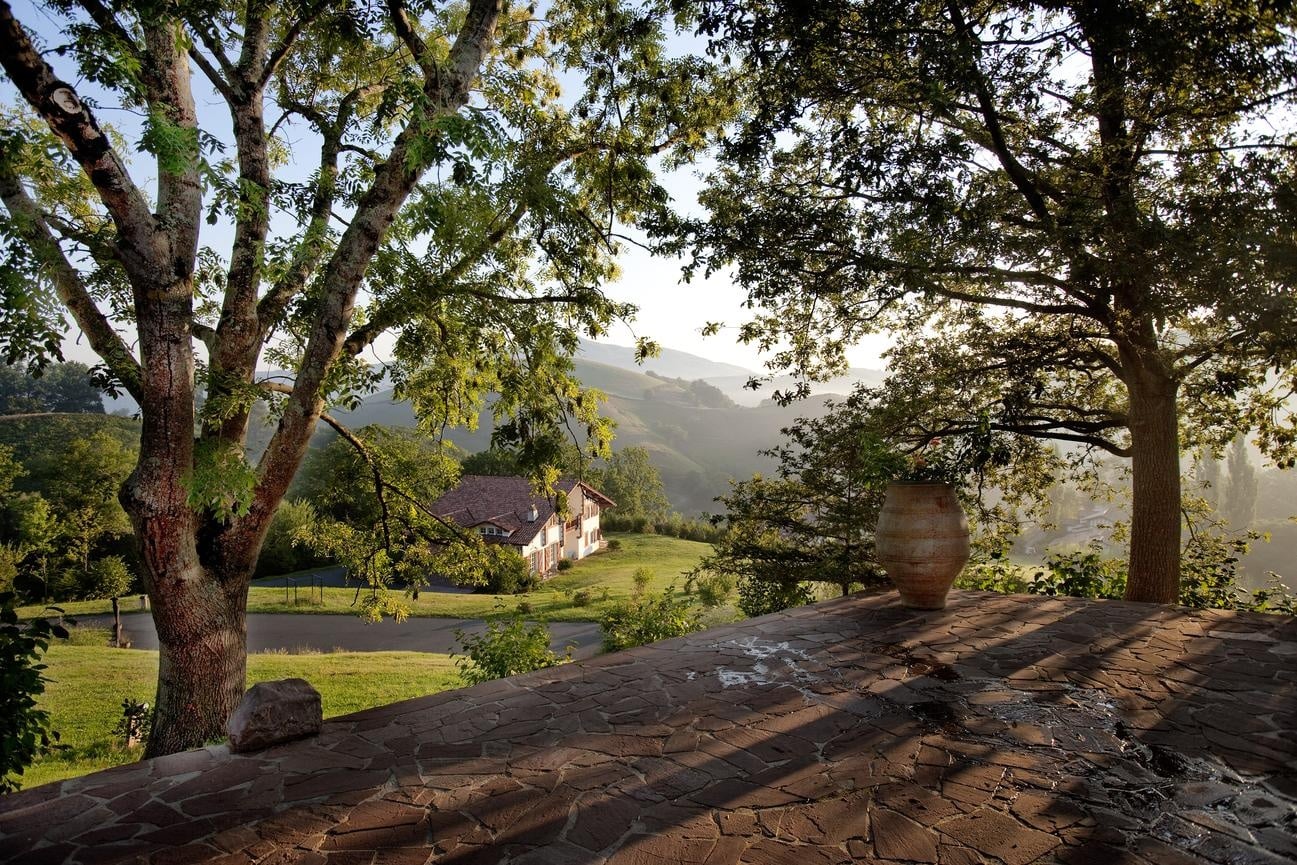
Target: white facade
x,y
575,538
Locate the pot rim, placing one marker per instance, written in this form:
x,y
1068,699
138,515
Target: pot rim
x,y
920,483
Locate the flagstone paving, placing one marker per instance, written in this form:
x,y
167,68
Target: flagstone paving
x,y
1007,729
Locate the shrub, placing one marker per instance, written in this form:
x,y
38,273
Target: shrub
x,y
506,648
714,589
10,558
509,575
614,545
136,721
25,731
655,617
642,578
524,608
565,564
108,578
758,597
1080,574
581,598
283,551
1275,598
994,575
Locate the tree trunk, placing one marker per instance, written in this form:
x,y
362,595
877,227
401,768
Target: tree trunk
x,y
202,662
1155,478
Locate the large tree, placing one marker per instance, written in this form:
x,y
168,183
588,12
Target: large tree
x,y
1077,218
413,168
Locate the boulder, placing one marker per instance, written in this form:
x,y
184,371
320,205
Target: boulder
x,y
274,712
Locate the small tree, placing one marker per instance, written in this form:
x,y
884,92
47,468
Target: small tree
x,y
284,550
108,577
632,481
814,521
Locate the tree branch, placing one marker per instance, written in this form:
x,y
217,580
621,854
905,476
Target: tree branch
x,y
413,41
68,285
375,211
362,337
60,106
1017,172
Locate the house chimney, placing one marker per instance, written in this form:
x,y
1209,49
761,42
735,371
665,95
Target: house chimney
x,y
532,514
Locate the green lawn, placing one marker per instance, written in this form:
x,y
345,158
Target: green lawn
x,y
666,557
87,683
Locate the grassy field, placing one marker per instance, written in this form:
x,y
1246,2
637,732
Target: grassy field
x,y
87,683
667,558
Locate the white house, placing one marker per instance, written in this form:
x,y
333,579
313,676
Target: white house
x,y
504,511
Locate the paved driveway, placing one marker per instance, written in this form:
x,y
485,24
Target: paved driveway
x,y
327,632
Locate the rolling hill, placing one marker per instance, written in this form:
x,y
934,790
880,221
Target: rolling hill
x,y
697,441
729,379
696,449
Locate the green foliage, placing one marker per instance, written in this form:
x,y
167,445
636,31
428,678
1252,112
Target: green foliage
x,y
108,577
758,596
1209,567
581,598
1081,574
25,731
647,619
496,462
698,392
60,387
642,578
614,545
565,564
72,518
814,521
631,480
506,648
674,526
714,589
283,550
1031,199
10,558
1276,597
993,574
222,481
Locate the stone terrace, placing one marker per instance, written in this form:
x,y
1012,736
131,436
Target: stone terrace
x,y
1004,729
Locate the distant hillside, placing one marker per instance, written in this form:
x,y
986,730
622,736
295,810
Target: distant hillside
x,y
36,435
672,363
734,386
696,449
730,379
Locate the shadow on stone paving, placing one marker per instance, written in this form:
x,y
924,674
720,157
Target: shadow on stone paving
x,y
1007,728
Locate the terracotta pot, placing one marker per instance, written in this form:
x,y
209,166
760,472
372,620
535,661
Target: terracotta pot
x,y
922,541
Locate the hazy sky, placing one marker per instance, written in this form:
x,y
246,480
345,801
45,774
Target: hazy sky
x,y
671,312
